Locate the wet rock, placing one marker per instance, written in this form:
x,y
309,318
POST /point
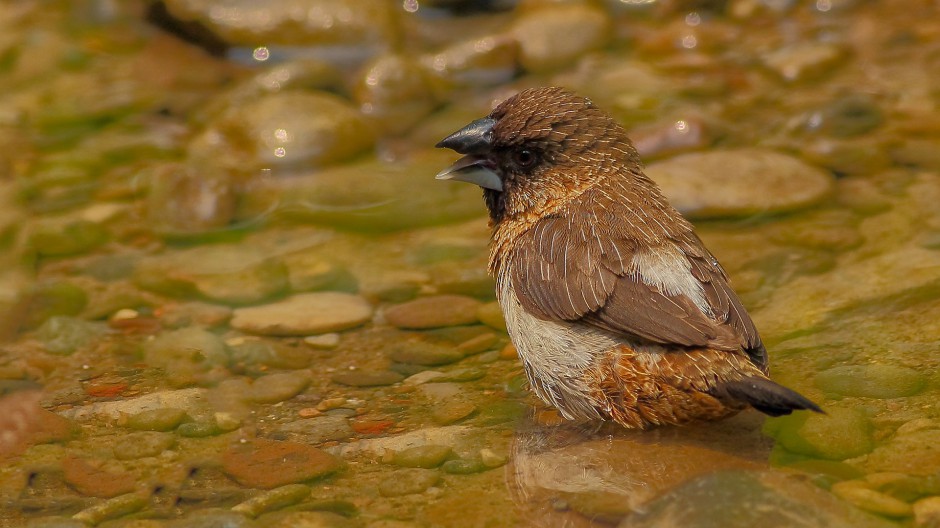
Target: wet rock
x,y
304,314
192,400
432,312
477,344
307,519
24,423
113,508
266,464
165,419
871,500
394,92
319,429
323,341
483,61
419,352
671,136
739,182
805,61
97,478
633,91
178,315
833,230
143,444
913,453
274,499
64,335
255,352
376,196
310,271
285,130
214,518
186,354
464,466
335,29
275,388
852,156
366,378
840,434
58,239
453,411
847,116
185,199
916,152
556,35
491,315
738,499
408,482
55,522
230,274
927,512
50,298
871,381
451,435
428,456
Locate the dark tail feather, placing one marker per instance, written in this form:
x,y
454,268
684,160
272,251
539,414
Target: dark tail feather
x,y
768,397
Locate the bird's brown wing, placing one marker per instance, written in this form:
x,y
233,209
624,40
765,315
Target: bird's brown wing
x,y
581,267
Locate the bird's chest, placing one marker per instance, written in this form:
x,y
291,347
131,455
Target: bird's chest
x,y
558,356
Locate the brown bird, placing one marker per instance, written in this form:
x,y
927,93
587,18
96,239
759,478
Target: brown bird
x,y
615,306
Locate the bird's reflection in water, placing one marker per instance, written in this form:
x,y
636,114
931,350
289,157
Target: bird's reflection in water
x,y
573,475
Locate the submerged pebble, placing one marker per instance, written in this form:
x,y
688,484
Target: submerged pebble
x,y
408,482
304,314
428,456
433,312
723,182
165,419
871,381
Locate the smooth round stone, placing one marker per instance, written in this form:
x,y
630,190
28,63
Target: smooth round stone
x,y
381,196
433,312
394,92
871,381
157,419
304,314
311,519
463,466
913,453
75,237
848,116
274,499
871,500
482,61
113,508
491,315
185,353
834,230
428,456
64,335
804,61
319,429
333,24
275,388
214,518
556,35
268,464
453,411
838,435
366,378
740,182
143,444
232,274
188,200
927,512
50,298
408,482
417,352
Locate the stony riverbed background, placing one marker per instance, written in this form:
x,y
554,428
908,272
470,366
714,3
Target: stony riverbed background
x,y
232,294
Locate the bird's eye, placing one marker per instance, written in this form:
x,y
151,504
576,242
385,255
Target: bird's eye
x,y
525,158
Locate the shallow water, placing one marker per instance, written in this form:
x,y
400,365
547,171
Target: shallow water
x,y
232,292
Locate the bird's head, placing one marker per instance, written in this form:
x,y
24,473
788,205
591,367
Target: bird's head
x,y
537,150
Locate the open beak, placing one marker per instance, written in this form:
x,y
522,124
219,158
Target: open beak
x,y
473,169
475,140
